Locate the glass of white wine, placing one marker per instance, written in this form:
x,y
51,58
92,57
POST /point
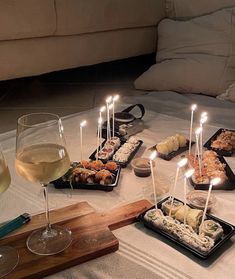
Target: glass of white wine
x,y
9,256
41,157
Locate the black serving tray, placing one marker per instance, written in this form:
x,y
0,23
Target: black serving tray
x,y
229,230
228,184
173,154
61,184
221,152
123,165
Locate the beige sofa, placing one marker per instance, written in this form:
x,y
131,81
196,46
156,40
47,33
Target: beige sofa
x,y
39,36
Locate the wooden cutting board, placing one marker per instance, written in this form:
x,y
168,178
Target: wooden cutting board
x,y
92,237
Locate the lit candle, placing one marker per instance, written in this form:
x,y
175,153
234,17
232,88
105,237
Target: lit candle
x,y
108,100
213,182
203,119
82,124
197,151
102,109
188,174
193,108
151,158
98,136
110,108
180,164
115,98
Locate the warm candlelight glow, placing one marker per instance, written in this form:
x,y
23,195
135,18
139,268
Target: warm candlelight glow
x,y
109,99
193,107
83,123
182,162
189,173
110,106
204,114
198,131
115,98
153,155
215,181
102,109
100,120
203,119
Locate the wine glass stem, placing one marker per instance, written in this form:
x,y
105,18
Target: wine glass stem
x,y
48,225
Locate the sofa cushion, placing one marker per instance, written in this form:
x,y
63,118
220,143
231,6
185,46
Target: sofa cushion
x,y
191,8
86,16
26,18
194,56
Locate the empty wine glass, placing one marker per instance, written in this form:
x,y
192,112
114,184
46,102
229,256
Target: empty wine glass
x,y
9,256
41,157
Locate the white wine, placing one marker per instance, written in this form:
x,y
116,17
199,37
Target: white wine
x,y
42,162
5,178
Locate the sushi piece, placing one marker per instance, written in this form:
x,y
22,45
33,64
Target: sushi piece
x,y
166,206
194,218
212,229
83,175
181,139
162,148
111,166
179,215
104,177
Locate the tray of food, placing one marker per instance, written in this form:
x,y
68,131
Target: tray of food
x,y
214,232
122,152
172,146
213,165
93,175
222,142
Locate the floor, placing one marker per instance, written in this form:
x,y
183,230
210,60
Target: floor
x,y
69,91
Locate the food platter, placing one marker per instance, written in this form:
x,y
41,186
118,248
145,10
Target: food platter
x,y
228,231
228,184
221,152
173,154
125,163
65,182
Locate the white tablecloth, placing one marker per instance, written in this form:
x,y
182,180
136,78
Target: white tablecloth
x,y
142,254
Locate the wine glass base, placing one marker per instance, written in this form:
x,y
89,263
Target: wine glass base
x,y
44,242
9,259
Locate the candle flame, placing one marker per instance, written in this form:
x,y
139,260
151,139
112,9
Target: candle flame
x,y
204,114
109,99
83,123
215,181
99,120
102,109
193,107
110,106
153,155
198,131
189,173
115,98
182,162
203,119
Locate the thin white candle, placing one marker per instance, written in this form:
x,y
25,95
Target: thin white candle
x,y
151,158
98,136
102,109
180,164
197,151
115,98
110,108
193,108
108,100
82,124
188,174
213,182
203,119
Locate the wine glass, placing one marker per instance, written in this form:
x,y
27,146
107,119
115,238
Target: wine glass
x,y
9,256
41,156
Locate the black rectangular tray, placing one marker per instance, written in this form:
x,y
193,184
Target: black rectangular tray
x,y
123,165
173,154
228,184
61,184
221,152
229,230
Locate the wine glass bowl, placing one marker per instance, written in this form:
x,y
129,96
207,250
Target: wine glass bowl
x,y
9,256
41,157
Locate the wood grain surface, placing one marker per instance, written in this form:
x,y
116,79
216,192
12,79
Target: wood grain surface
x,y
91,231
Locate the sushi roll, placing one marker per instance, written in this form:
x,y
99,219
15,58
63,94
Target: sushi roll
x,y
194,217
133,140
212,229
162,148
179,215
166,206
104,177
181,139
